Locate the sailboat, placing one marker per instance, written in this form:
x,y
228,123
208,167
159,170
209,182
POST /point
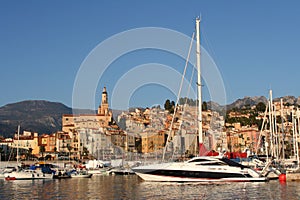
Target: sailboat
x,y
25,174
201,168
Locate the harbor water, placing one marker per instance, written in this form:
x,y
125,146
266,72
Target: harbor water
x,y
132,187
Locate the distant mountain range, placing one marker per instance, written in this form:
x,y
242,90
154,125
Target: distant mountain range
x,y
37,116
46,117
240,103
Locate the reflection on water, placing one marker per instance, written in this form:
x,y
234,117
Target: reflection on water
x,y
131,187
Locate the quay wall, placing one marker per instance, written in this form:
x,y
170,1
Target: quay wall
x,y
293,176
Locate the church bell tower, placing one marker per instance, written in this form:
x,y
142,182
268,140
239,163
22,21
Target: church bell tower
x,y
103,107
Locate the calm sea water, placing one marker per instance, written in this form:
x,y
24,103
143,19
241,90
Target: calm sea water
x,y
132,187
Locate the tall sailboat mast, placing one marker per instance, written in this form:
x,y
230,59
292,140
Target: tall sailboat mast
x,y
199,85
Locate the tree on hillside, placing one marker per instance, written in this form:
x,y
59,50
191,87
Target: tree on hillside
x,y
259,123
167,104
181,101
42,150
204,106
170,106
261,107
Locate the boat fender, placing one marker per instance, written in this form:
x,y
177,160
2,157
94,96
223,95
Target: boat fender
x,y
282,177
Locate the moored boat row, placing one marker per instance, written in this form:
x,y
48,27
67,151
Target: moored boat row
x,y
50,171
35,174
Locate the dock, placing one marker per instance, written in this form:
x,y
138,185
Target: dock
x,y
293,176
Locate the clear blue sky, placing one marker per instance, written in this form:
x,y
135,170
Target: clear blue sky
x,y
255,45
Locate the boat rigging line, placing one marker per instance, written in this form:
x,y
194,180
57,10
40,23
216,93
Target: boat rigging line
x,y
178,95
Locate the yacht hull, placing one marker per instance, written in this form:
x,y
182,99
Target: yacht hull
x,y
203,169
158,178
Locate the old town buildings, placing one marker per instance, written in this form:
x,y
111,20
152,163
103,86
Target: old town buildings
x,y
147,131
82,136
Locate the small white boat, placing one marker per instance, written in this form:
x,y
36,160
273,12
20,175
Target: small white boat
x,y
6,171
81,174
27,175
